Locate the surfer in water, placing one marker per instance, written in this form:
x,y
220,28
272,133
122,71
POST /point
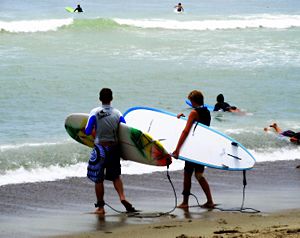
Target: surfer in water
x,y
221,105
104,162
179,7
200,114
78,8
294,136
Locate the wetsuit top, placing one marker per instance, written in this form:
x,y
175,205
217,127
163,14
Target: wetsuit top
x,y
224,106
204,115
78,9
106,121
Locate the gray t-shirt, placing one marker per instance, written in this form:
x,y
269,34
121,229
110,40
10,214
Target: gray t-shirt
x,y
106,120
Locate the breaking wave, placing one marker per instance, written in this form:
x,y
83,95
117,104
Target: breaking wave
x,y
216,23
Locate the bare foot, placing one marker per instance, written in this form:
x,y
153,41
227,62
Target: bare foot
x,y
183,205
100,211
208,205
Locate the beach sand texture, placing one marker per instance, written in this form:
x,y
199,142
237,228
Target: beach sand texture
x,y
63,208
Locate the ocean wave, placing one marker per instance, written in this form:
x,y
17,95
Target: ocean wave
x,y
51,173
216,23
56,172
18,146
31,26
268,155
233,22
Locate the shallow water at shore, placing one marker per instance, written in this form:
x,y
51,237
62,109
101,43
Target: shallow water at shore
x,y
64,206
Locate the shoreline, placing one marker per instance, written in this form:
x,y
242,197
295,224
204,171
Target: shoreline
x,y
64,208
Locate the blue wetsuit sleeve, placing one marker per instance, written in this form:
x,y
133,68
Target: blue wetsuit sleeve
x,y
122,119
90,125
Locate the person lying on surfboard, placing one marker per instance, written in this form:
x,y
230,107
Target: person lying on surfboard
x,y
104,163
294,136
221,105
199,114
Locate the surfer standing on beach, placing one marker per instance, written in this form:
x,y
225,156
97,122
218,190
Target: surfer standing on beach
x,y
200,114
104,162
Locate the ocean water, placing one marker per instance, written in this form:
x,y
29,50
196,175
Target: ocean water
x,y
54,63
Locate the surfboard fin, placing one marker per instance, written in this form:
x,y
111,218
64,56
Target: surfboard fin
x,y
234,143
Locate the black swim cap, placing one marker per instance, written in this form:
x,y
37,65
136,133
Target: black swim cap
x,y
220,98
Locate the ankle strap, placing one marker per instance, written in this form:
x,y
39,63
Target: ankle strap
x,y
100,204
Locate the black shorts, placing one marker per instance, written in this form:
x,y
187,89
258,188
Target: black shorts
x,y
104,163
190,167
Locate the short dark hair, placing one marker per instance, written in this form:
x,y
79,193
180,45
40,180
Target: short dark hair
x,y
105,95
196,96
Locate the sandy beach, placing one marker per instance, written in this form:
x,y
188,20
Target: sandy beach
x,y
212,224
64,208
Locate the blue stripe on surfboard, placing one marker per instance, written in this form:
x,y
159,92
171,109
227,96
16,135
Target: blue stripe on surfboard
x,y
199,124
209,107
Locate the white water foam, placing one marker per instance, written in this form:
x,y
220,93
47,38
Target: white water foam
x,y
52,173
56,172
235,22
28,26
276,155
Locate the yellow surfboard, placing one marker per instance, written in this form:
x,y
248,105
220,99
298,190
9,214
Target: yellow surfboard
x,y
135,145
69,9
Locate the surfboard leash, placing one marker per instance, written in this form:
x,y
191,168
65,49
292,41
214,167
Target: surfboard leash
x,y
242,209
139,214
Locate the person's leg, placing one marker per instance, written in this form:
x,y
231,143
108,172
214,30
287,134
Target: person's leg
x,y
118,184
99,190
187,183
206,189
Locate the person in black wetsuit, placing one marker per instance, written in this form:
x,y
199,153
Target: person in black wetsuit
x,y
179,7
224,106
78,8
200,114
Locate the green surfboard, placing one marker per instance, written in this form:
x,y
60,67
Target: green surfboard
x,y
69,9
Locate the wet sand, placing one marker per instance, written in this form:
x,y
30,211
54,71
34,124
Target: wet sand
x,y
63,208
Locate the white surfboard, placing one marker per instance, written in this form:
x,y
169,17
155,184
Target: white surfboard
x,y
204,145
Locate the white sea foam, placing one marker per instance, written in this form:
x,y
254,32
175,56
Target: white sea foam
x,y
276,155
234,22
56,172
34,25
51,173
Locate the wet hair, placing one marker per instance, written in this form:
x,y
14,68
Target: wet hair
x,y
197,97
220,98
105,95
